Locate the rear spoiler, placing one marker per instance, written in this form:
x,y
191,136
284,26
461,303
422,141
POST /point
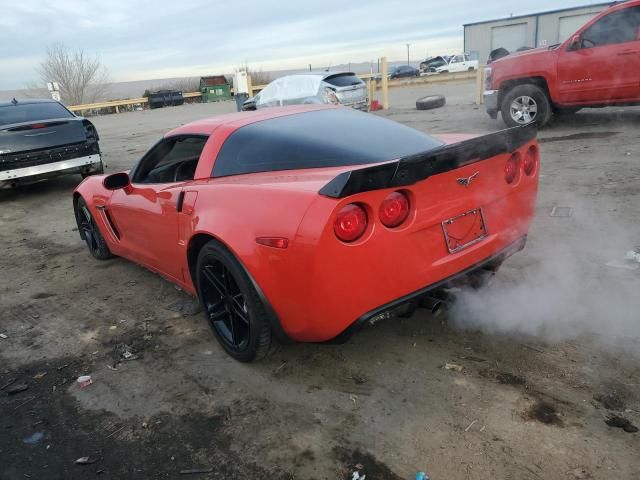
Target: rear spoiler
x,y
413,168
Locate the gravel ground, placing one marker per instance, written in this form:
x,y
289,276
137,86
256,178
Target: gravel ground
x,y
544,358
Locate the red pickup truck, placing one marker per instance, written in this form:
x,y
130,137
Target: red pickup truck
x,y
598,66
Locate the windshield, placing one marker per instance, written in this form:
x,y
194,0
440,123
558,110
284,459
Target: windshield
x,y
343,80
32,112
288,88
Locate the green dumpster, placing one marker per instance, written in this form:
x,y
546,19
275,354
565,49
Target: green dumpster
x,y
215,89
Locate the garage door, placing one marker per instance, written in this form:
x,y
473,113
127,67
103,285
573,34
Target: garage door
x,y
569,25
511,37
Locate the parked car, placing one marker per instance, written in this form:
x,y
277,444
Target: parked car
x,y
458,63
431,64
403,71
344,88
598,66
40,139
306,223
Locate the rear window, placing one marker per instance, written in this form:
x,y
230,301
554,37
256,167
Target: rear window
x,y
32,112
343,80
324,138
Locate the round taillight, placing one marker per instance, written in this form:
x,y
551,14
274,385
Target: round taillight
x,y
511,168
530,161
394,209
350,223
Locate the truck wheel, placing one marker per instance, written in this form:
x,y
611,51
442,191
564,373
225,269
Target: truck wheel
x,y
525,104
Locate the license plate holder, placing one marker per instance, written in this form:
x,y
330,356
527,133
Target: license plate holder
x,y
464,230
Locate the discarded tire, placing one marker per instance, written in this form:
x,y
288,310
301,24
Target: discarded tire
x,y
429,102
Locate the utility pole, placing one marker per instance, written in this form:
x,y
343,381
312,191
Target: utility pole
x,y
408,62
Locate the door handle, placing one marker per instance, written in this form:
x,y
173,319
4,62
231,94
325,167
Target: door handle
x,y
180,201
627,52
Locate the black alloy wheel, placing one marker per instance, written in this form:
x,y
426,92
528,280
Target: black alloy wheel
x,y
233,308
90,232
225,305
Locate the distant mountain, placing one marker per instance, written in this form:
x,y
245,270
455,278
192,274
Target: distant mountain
x,y
135,89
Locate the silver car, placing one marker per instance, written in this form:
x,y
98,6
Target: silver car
x,y
343,88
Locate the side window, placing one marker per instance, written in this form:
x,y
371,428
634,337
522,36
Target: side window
x,y
617,27
172,160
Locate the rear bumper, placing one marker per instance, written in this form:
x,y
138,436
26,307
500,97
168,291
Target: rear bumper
x,y
87,164
392,308
491,103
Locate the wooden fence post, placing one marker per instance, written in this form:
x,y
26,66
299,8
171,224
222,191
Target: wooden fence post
x,y
385,83
249,85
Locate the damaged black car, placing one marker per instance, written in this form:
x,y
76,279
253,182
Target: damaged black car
x,y
40,139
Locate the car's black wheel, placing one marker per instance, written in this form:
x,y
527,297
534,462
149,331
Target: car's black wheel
x,y
525,104
430,101
235,312
90,232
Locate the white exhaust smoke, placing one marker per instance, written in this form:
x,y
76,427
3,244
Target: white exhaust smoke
x,y
561,287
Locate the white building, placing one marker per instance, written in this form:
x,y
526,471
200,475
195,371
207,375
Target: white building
x,y
534,30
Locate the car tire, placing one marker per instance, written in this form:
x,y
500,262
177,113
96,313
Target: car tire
x,y
90,232
518,102
430,101
235,312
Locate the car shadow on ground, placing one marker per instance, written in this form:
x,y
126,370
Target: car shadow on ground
x,y
596,118
57,186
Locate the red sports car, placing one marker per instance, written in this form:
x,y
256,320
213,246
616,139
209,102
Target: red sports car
x,y
305,223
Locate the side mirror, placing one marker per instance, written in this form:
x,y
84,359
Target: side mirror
x,y
116,181
576,43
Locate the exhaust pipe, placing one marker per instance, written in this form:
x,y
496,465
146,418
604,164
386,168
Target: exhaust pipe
x,y
433,304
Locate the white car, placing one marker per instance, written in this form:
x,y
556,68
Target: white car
x,y
458,63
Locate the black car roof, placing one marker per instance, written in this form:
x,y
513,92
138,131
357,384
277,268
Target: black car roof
x,y
27,101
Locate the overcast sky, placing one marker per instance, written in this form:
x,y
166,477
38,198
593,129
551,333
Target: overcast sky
x,y
146,39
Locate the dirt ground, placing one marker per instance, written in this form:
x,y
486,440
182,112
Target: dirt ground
x,y
166,400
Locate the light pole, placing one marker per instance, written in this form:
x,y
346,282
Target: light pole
x,y
408,62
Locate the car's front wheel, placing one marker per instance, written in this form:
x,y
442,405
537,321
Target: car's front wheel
x,y
90,232
525,104
235,312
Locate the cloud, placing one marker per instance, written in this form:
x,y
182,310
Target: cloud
x,y
133,37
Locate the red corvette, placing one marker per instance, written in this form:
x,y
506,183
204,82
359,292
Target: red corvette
x,y
305,223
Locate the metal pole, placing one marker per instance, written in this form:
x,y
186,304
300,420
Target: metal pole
x,y
408,62
480,85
